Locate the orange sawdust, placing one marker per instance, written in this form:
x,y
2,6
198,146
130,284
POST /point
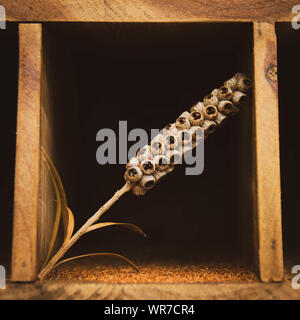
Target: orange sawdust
x,y
153,272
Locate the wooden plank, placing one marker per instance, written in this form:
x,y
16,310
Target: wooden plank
x,y
149,10
267,173
76,290
24,262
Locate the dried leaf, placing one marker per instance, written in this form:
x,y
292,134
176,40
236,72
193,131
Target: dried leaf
x,y
67,215
57,215
100,254
122,224
70,227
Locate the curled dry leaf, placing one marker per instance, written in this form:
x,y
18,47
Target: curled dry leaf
x,y
122,224
62,209
70,226
100,254
64,212
57,215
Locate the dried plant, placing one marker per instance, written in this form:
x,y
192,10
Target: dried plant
x,y
152,163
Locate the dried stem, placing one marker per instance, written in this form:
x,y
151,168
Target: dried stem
x,y
60,253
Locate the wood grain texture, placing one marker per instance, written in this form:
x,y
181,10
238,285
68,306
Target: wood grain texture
x,y
267,173
76,290
27,155
149,10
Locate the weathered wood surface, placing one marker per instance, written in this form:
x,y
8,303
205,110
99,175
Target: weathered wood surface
x,y
267,173
103,291
149,10
24,262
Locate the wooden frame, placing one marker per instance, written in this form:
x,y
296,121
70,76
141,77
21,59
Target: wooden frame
x,y
24,257
267,175
149,10
33,102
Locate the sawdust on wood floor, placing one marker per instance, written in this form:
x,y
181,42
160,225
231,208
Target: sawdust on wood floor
x,y
153,272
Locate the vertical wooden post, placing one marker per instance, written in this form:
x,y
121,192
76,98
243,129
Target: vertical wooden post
x,y
267,173
24,258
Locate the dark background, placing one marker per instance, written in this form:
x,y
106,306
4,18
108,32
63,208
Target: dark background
x,y
8,101
149,74
289,121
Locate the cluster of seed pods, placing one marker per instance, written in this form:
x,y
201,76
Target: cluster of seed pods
x,y
154,161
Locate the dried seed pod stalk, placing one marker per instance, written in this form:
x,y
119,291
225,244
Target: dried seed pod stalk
x,y
143,173
167,149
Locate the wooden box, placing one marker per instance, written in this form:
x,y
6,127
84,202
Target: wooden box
x,y
82,68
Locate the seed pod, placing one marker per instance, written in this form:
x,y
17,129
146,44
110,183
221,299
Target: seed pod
x,y
170,168
197,134
161,162
171,142
220,118
147,182
138,190
199,106
196,118
159,175
227,107
184,137
133,174
239,75
183,122
231,83
157,147
239,98
144,153
170,129
209,127
133,162
211,100
174,156
166,150
215,92
243,83
147,166
224,93
210,112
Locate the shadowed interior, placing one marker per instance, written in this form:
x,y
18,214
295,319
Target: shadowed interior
x,y
289,115
9,92
148,74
